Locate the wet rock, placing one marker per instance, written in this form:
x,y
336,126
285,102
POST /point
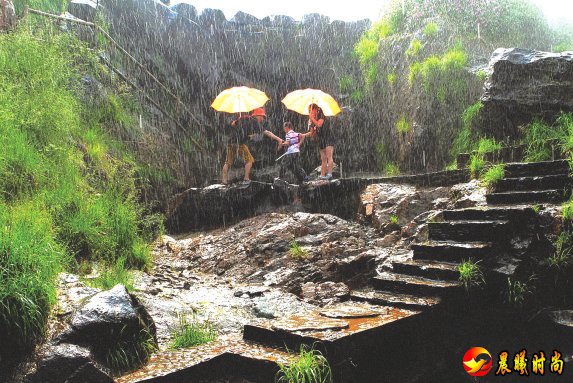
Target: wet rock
x,y
83,9
67,363
251,291
468,194
387,207
525,84
106,318
325,293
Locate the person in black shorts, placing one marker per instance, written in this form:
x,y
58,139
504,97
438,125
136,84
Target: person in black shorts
x,y
319,125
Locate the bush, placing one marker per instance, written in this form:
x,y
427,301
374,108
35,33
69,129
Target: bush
x,y
493,175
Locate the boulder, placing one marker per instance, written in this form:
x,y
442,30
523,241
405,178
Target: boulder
x,y
68,363
325,293
107,318
525,84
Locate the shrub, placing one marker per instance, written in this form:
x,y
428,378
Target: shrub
x,y
477,164
311,367
431,29
391,169
189,334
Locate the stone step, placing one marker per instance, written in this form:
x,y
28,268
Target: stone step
x,y
468,231
537,196
408,284
485,213
330,335
405,301
227,357
542,168
558,181
427,269
447,251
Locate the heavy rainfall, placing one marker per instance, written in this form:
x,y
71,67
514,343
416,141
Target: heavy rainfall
x,y
290,192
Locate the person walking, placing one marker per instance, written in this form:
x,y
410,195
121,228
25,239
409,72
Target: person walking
x,y
319,126
291,159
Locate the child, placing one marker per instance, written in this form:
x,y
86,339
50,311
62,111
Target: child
x,y
291,159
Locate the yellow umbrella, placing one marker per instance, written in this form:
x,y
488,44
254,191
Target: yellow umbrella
x,y
299,100
239,99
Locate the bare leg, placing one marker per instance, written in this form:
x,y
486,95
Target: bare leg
x,y
323,162
248,167
225,174
329,151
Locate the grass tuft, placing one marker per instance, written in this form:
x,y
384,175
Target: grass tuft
x,y
311,367
471,274
189,334
297,252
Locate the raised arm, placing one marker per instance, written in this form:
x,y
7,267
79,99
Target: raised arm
x,y
272,136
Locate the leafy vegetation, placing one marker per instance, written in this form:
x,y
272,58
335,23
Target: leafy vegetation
x,y
414,48
477,164
471,274
394,219
391,169
131,351
296,251
403,126
189,334
431,29
311,367
517,292
68,191
493,175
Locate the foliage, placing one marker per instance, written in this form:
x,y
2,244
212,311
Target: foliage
x,y
189,334
464,142
488,145
443,75
391,169
403,126
414,48
51,6
481,75
562,256
311,367
536,208
394,219
346,84
517,292
296,251
30,260
471,274
391,78
493,175
113,275
477,164
431,29
131,351
60,171
539,138
567,211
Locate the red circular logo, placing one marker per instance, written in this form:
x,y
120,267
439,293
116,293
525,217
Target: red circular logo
x,y
477,361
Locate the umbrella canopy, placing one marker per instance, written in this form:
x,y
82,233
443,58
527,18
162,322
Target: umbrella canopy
x,y
239,99
299,100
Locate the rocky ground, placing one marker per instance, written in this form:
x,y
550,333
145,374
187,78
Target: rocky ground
x,y
277,264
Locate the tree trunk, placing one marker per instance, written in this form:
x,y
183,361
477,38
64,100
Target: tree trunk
x,y
7,15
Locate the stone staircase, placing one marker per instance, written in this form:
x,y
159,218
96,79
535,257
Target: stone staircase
x,y
409,310
536,182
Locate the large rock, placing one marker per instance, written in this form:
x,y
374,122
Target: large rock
x,y
66,363
525,84
107,318
7,15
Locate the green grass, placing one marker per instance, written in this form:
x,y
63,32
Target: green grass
x,y
517,292
394,219
431,29
113,275
562,256
391,169
567,211
67,189
414,48
488,145
471,274
311,367
477,164
296,251
403,126
131,350
189,334
541,140
493,175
